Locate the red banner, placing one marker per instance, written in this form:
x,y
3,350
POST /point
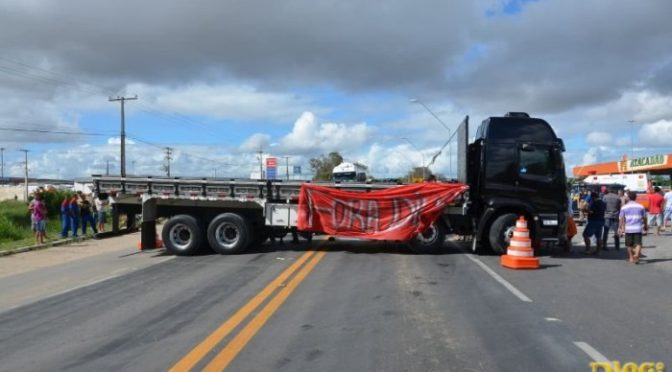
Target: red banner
x,y
397,213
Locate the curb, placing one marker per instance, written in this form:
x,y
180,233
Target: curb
x,y
54,243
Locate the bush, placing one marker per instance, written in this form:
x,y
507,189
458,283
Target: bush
x,y
9,231
15,212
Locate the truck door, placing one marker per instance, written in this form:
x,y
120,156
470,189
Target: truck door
x,y
540,181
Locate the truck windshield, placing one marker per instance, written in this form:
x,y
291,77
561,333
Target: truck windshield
x,y
345,176
523,130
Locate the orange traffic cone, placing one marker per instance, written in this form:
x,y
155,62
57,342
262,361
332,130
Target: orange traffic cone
x,y
519,255
159,243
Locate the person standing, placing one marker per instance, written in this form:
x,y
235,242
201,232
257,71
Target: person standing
x,y
38,216
594,224
65,217
667,214
101,210
633,224
74,215
86,215
612,204
656,209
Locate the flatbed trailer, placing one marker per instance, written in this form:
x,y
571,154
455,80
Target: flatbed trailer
x,y
229,215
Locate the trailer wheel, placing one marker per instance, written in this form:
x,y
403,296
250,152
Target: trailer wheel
x,y
228,233
501,232
182,235
429,241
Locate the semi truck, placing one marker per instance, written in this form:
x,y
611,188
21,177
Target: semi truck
x,y
514,167
349,172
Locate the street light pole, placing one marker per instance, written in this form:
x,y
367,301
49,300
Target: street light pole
x,y
450,162
632,139
422,156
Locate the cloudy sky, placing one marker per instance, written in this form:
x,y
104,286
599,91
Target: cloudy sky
x,y
218,80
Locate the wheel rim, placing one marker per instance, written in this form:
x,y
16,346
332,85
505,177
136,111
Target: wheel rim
x,y
180,236
428,236
508,234
227,235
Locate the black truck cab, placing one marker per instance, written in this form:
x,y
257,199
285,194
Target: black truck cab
x,y
515,167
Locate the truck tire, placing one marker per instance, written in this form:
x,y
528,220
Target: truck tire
x,y
181,235
429,241
228,233
501,232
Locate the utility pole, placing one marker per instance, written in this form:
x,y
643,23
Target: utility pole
x,y
168,158
123,130
287,165
107,167
2,164
25,152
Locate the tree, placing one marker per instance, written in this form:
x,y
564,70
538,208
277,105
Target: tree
x,y
323,166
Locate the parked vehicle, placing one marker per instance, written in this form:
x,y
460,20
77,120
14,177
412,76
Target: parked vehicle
x,y
349,172
514,167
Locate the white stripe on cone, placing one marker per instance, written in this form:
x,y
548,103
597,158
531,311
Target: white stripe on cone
x,y
516,243
521,234
512,252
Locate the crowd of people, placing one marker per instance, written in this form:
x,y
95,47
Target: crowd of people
x,y
609,210
78,210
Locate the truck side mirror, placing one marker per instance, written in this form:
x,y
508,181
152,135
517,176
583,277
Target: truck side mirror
x,y
562,144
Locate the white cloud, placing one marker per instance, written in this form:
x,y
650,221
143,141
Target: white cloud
x,y
224,101
309,136
117,141
255,142
599,139
656,134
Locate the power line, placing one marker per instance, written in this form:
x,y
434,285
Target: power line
x,y
46,131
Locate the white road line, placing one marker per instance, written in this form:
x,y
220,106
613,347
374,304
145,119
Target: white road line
x,y
501,280
594,354
553,320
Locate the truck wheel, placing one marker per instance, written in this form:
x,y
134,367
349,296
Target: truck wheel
x,y
501,232
429,241
182,235
228,234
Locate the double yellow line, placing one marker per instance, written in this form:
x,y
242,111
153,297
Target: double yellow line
x,y
229,352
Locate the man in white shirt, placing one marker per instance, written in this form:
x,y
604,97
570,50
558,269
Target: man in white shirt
x,y
667,208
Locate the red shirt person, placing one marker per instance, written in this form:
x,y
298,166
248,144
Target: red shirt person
x,y
656,201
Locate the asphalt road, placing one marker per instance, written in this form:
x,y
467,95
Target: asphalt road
x,y
352,306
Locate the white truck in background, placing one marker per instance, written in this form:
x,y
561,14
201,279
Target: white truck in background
x,y
637,182
350,172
